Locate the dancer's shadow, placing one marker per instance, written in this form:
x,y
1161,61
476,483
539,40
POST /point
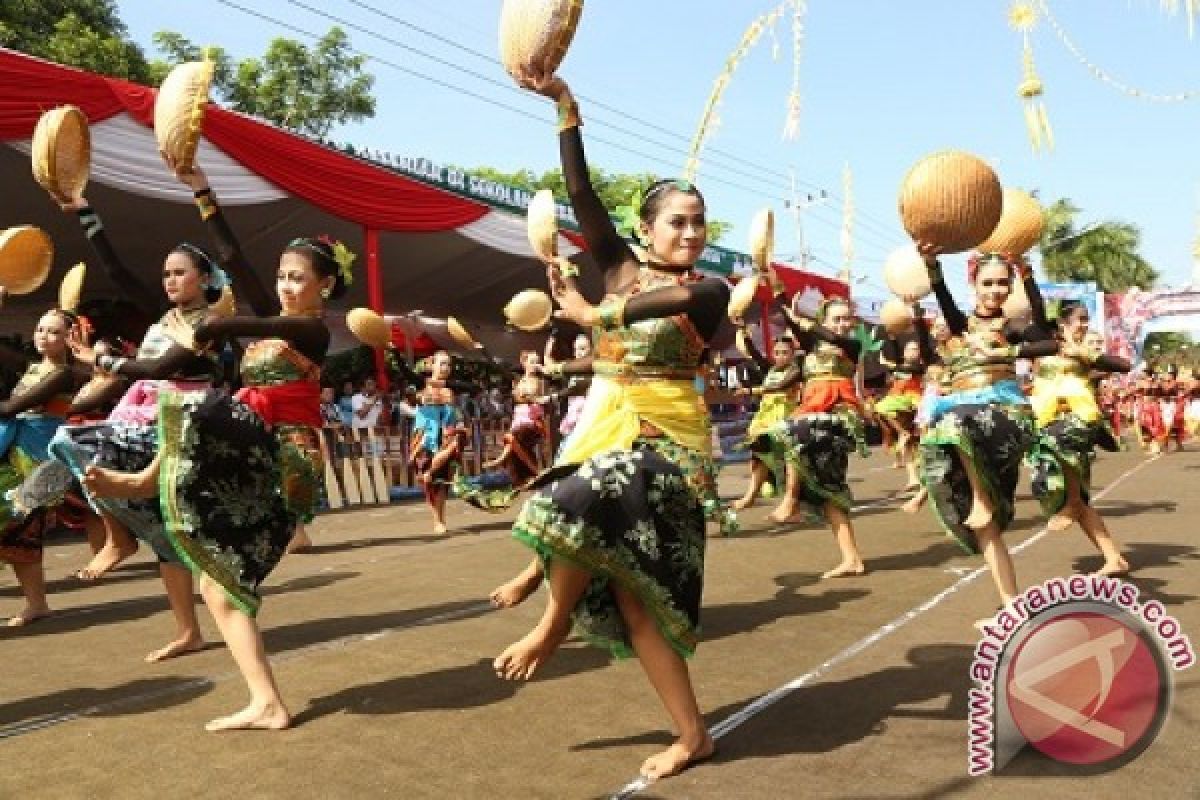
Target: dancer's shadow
x,y
1148,555
733,618
134,697
460,532
118,611
935,554
1126,508
126,573
831,714
455,688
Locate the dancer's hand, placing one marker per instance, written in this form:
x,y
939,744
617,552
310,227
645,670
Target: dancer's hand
x,y
80,348
176,328
194,178
572,304
74,204
537,79
930,252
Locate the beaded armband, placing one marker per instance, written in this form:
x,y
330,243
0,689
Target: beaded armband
x,y
611,314
568,112
206,203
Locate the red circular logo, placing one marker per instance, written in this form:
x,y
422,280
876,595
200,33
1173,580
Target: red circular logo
x,y
1085,688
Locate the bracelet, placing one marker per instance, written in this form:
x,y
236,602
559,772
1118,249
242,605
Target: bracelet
x,y
105,363
934,272
611,314
568,269
206,203
202,192
554,370
568,112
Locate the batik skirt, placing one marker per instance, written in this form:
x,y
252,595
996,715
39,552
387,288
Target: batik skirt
x,y
818,445
23,443
233,488
1066,445
993,438
634,519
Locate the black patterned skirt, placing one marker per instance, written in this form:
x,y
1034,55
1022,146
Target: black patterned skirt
x,y
1066,445
232,489
633,518
818,446
994,439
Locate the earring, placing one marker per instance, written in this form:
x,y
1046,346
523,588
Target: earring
x,y
326,293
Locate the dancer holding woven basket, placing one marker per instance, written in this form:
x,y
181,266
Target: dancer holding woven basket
x,y
782,380
1070,426
825,427
235,475
619,520
980,429
438,437
897,411
29,418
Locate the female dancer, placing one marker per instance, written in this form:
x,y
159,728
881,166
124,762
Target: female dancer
x,y
619,520
980,429
1069,427
898,411
825,428
28,420
438,437
235,475
519,457
781,383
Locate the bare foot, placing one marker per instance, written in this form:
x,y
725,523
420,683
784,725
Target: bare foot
x,y
29,616
521,659
440,528
915,503
252,718
742,504
1060,522
517,590
846,569
300,542
981,515
678,757
120,485
1118,567
981,623
786,512
179,647
109,557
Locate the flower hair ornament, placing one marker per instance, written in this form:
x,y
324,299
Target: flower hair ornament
x,y
629,216
978,260
343,255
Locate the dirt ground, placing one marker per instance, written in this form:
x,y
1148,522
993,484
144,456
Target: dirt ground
x,y
382,641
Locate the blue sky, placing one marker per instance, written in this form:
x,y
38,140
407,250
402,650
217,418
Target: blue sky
x,y
883,83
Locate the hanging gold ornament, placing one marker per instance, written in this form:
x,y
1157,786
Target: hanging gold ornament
x,y
1023,17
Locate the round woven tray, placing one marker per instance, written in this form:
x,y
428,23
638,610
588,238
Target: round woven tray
x,y
1020,226
905,273
71,287
530,310
26,254
537,32
179,111
370,328
541,223
61,152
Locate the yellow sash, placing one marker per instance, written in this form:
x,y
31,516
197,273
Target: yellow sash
x,y
616,409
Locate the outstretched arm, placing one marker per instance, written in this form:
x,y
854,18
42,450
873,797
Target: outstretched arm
x,y
57,382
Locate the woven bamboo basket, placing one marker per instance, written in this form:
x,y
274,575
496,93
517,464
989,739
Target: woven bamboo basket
x,y
71,288
541,222
762,239
905,272
1020,226
179,111
530,310
460,335
896,316
951,199
1017,307
537,33
370,328
26,254
61,152
742,296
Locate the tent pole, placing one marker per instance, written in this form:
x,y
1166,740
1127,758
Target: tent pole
x,y
375,297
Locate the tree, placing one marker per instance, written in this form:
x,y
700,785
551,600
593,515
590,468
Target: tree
x,y
615,189
1104,252
300,88
87,34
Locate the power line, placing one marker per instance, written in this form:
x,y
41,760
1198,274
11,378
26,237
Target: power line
x,y
866,219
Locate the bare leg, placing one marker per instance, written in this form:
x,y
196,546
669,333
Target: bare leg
x,y
96,532
123,485
843,532
32,578
266,710
981,506
758,476
786,510
999,560
300,540
909,441
668,674
437,507
181,596
118,546
1093,526
501,459
522,659
517,590
916,502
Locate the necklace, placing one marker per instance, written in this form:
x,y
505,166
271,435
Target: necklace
x,y
314,313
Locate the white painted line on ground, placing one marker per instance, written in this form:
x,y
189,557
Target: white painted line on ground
x,y
761,704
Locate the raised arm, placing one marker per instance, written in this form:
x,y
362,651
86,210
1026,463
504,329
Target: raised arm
x,y
924,337
306,334
141,293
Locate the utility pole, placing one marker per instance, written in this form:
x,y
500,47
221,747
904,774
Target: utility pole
x,y
798,205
